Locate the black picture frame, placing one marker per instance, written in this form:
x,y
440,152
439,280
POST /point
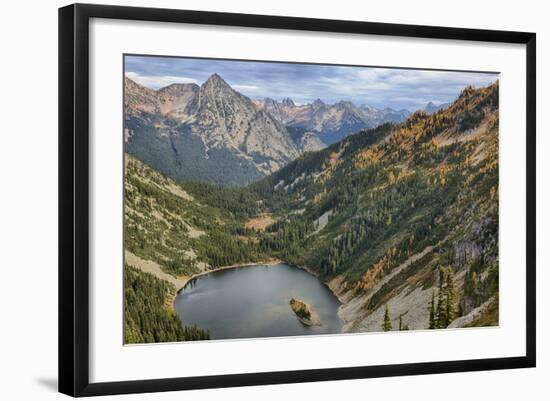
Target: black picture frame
x,y
74,198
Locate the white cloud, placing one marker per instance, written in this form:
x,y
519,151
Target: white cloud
x,y
157,82
244,88
376,86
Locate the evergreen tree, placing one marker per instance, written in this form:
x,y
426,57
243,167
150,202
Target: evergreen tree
x,y
451,301
146,318
433,322
403,326
386,326
441,312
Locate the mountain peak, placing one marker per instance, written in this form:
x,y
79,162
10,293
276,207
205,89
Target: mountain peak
x,y
216,80
318,103
288,102
178,85
215,76
345,103
431,107
366,107
178,89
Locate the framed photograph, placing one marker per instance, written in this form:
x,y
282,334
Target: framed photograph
x,y
249,199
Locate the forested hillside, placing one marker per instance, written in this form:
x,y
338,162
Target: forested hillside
x,y
188,227
387,215
147,318
173,231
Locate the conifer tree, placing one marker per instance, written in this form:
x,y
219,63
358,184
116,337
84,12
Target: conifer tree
x,y
441,313
451,301
433,322
386,326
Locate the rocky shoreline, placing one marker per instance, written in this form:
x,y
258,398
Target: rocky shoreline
x,y
334,286
186,279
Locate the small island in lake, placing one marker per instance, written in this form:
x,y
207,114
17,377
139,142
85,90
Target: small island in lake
x,y
305,313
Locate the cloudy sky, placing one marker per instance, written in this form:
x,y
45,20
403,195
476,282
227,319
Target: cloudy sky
x,y
303,83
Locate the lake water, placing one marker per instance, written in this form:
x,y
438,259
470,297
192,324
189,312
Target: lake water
x,y
253,301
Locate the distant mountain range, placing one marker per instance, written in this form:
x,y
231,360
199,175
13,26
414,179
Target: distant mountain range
x,y
214,133
331,122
